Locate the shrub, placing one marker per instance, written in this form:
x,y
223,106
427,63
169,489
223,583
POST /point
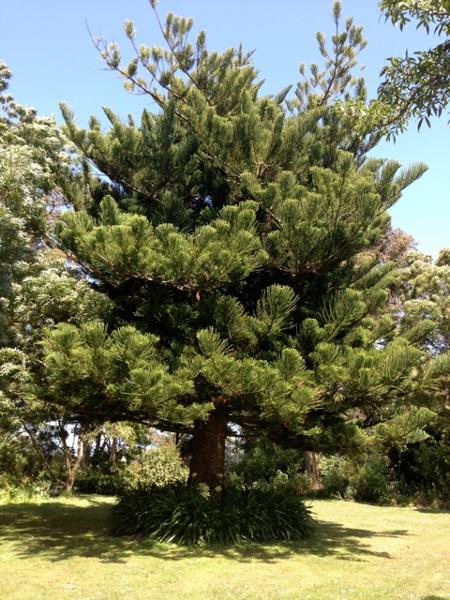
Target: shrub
x,y
266,465
158,466
24,492
423,469
96,482
370,483
365,479
336,473
19,462
189,515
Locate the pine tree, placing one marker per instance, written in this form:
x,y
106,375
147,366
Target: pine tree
x,y
232,242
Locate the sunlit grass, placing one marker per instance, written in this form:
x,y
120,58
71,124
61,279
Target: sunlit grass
x,y
59,549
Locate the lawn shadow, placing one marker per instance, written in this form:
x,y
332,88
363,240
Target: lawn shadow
x,y
433,511
58,531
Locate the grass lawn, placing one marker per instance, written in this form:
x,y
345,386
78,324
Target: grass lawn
x,y
59,549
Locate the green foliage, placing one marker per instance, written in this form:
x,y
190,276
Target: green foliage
x,y
159,467
336,78
418,85
120,456
335,475
427,13
23,492
187,515
423,469
19,464
233,234
32,158
406,428
370,484
95,482
267,466
364,479
38,287
125,364
227,249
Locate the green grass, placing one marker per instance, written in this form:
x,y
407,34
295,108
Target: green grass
x,y
57,549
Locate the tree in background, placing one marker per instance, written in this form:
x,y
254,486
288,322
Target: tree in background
x,y
416,467
422,297
418,85
37,286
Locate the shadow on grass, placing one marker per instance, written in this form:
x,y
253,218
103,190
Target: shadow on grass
x,y
59,531
433,511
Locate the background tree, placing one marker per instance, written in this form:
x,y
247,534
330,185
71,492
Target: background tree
x,y
423,298
37,286
417,467
418,85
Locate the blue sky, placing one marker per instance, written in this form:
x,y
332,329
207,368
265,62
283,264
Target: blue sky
x,y
47,45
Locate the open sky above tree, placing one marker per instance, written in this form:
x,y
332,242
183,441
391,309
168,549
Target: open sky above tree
x,y
283,35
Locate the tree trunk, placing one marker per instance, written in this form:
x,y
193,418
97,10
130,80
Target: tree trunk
x,y
113,450
87,454
69,481
208,451
312,468
46,463
73,464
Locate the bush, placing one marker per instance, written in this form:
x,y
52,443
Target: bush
x,y
336,475
266,465
370,483
423,469
96,482
19,462
158,466
189,515
364,480
24,492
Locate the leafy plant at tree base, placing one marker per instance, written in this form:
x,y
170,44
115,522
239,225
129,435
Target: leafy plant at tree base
x,y
191,515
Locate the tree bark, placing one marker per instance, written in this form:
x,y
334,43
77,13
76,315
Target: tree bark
x,y
207,448
312,468
113,450
72,463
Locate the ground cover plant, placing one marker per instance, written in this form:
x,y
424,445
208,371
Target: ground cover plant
x,y
189,515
